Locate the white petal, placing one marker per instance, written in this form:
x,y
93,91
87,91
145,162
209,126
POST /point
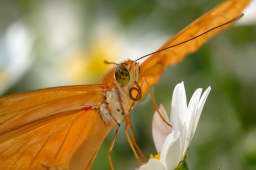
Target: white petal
x,y
178,105
199,109
152,164
171,151
193,103
184,140
192,114
249,15
160,129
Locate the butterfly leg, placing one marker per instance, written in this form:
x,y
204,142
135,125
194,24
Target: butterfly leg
x,y
110,149
131,139
155,108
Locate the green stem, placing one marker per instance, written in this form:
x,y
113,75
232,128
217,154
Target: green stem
x,y
182,166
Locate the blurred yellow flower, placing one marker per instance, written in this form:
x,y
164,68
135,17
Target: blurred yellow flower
x,y
88,65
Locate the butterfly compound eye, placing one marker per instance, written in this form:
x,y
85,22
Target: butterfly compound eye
x,y
122,75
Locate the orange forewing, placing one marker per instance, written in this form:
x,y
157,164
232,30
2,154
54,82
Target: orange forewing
x,y
155,65
46,127
21,109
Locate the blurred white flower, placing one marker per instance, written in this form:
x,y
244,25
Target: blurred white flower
x,y
172,143
249,15
15,51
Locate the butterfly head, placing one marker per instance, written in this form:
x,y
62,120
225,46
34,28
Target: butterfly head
x,y
127,78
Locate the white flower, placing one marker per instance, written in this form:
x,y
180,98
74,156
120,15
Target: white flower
x,y
16,54
249,17
172,143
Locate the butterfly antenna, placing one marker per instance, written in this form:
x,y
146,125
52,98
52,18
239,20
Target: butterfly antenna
x,y
110,62
188,40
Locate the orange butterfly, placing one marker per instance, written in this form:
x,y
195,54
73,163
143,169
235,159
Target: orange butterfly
x,y
62,128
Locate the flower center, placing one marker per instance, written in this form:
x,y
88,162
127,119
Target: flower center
x,y
155,156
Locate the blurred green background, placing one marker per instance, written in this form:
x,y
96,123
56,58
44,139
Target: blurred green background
x,y
53,43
